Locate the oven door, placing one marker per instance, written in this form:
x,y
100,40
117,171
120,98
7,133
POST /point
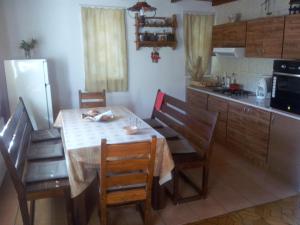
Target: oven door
x,y
286,92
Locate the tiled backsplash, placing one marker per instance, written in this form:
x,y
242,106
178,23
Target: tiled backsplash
x,y
248,70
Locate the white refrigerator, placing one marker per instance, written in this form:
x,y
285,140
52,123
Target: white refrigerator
x,y
29,79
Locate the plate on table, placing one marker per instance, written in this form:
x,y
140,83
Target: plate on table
x,y
94,115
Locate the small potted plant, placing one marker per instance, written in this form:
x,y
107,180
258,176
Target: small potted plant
x,y
27,47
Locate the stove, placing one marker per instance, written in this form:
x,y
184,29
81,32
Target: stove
x,y
233,93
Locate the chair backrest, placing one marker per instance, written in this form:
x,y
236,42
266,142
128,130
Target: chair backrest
x,y
92,99
14,141
126,171
198,127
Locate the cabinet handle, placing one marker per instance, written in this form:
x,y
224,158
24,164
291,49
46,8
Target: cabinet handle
x,y
273,119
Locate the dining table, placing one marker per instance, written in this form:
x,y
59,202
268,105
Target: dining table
x,y
81,139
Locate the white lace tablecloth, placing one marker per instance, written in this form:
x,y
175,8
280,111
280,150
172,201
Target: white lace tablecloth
x,y
82,138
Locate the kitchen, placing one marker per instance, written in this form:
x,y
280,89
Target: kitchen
x,y
253,125
256,137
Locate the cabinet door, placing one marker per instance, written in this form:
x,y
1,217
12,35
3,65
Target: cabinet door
x,y
265,37
273,37
257,124
284,148
255,38
196,99
248,131
234,34
217,36
236,129
229,35
291,45
219,105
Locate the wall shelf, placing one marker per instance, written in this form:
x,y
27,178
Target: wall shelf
x,y
155,36
171,44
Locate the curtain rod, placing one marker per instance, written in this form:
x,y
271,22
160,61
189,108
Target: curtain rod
x,y
102,6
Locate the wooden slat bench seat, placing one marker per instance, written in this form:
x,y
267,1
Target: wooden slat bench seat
x,y
45,135
32,180
190,138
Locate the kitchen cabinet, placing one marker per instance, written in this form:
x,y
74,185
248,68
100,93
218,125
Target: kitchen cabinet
x,y
196,100
284,148
229,35
215,104
291,45
220,2
265,37
248,131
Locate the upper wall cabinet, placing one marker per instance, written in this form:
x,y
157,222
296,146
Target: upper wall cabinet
x,y
291,46
219,2
265,37
229,35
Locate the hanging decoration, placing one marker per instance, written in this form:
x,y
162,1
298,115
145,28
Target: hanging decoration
x,y
142,8
294,7
155,55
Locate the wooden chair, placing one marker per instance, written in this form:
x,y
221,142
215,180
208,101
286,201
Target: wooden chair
x,y
126,175
193,147
92,99
34,180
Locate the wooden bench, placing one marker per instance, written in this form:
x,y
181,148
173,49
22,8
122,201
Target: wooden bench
x,y
190,138
32,180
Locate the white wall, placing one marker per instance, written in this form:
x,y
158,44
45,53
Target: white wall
x,y
250,9
57,26
3,52
249,70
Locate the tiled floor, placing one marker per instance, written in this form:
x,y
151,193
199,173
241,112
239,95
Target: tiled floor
x,y
234,184
280,212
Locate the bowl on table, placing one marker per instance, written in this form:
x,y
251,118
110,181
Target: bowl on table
x,y
131,130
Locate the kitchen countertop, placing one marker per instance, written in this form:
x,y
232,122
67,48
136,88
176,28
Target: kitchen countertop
x,y
250,100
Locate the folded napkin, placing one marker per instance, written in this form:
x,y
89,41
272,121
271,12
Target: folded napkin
x,y
108,115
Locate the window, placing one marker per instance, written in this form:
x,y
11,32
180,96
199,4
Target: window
x,y
198,36
105,49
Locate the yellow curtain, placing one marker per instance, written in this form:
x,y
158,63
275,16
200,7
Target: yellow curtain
x,y
105,49
197,40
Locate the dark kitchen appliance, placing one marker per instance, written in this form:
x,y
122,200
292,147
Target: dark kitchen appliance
x,y
286,86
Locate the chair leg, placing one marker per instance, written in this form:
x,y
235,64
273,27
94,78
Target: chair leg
x,y
24,211
103,213
69,207
205,181
147,209
176,195
32,207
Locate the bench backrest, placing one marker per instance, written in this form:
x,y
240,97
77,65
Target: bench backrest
x,y
198,127
14,141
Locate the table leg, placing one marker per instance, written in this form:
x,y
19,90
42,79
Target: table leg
x,y
158,195
85,204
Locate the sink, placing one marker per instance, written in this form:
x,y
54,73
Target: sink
x,y
220,89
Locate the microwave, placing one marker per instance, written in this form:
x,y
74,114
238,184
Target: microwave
x,y
285,93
